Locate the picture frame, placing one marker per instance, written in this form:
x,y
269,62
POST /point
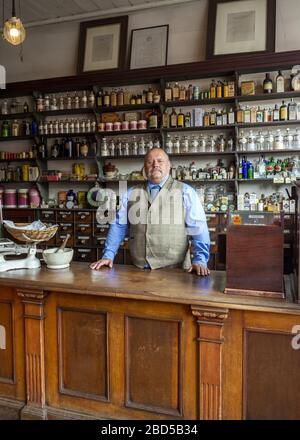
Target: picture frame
x,y
102,45
149,47
237,27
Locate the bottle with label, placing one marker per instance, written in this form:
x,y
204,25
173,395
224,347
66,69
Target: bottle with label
x,y
165,119
121,97
175,92
150,96
253,115
247,115
153,119
219,89
219,118
283,112
276,116
268,84
188,120
168,93
213,117
113,98
84,100
213,90
156,97
225,90
240,116
100,98
292,110
182,94
180,119
25,107
106,99
173,119
280,82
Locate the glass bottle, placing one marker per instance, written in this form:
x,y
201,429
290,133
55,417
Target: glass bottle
x,y
176,146
153,120
173,119
283,112
260,141
268,84
296,139
175,92
25,107
188,120
4,107
213,117
279,83
168,93
142,150
202,144
276,115
251,141
84,100
100,98
288,139
104,148
91,99
278,143
242,142
134,147
180,119
292,110
121,97
165,119
184,145
169,145
269,141
213,89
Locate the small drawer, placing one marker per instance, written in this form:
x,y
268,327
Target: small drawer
x,y
48,216
66,228
213,247
223,219
83,240
101,230
212,219
64,216
99,241
60,238
83,216
85,255
83,228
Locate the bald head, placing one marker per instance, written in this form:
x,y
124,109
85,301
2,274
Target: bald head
x,y
157,165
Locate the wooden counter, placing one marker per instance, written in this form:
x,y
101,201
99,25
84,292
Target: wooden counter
x,y
126,343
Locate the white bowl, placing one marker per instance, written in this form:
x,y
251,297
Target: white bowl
x,y
58,260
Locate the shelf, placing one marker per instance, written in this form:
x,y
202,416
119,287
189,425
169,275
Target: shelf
x,y
16,138
246,153
16,116
172,155
191,129
127,132
67,135
268,124
19,160
263,181
268,97
73,182
209,181
198,102
52,159
79,111
125,108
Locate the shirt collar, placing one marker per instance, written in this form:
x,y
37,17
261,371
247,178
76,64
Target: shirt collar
x,y
161,184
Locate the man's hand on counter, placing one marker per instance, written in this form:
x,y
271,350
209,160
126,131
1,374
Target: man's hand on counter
x,y
200,269
100,263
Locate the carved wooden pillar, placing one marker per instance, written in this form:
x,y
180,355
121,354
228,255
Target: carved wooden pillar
x,y
210,338
33,301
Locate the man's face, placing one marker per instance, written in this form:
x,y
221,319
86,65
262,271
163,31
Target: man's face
x,y
157,166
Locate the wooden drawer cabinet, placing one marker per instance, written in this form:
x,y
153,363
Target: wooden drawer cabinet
x,y
47,216
83,240
60,238
83,216
65,216
83,228
66,228
85,255
212,219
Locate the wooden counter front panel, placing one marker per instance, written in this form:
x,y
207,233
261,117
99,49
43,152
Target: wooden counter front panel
x,y
120,359
82,341
153,365
7,355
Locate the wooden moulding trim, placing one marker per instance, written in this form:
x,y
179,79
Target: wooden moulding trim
x,y
209,314
256,293
208,68
32,294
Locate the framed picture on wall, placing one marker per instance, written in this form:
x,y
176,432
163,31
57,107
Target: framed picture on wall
x,y
149,47
102,44
240,26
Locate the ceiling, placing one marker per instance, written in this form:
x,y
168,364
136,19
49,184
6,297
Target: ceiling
x,y
39,12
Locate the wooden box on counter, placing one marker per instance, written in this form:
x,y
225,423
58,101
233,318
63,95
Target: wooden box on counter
x,y
254,257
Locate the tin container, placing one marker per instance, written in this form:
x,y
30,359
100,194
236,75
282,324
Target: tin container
x,y
23,198
34,198
142,124
125,125
133,125
108,126
10,198
117,126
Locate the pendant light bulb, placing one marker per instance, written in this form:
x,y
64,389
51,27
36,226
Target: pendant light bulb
x,y
13,29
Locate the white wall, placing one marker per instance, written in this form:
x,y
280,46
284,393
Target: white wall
x,y
51,50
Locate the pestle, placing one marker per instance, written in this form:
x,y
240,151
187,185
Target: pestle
x,y
63,245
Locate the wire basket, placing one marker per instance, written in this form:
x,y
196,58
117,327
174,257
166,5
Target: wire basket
x,y
28,236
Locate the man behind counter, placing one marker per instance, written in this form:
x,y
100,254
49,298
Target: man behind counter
x,y
161,215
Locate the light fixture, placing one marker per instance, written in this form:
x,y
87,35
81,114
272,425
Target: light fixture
x,y
13,29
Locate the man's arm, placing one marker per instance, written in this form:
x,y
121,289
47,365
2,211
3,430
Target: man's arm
x,y
116,234
197,229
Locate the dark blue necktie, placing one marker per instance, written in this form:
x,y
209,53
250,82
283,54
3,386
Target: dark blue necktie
x,y
154,191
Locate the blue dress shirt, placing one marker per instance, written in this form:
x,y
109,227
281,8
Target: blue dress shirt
x,y
195,222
